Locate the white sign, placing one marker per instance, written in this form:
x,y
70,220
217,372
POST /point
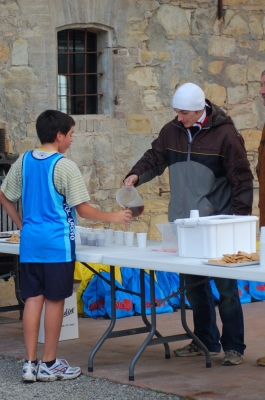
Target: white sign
x,y
69,328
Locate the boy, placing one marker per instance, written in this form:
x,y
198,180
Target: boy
x,y
51,188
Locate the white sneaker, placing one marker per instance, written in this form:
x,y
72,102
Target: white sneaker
x,y
29,372
60,370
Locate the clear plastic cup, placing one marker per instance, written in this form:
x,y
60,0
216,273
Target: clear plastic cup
x,y
100,239
91,239
83,238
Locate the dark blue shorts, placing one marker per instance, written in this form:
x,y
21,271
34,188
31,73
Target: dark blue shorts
x,y
53,280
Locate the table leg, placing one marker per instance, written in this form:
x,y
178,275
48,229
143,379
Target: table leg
x,y
185,326
143,309
112,322
152,327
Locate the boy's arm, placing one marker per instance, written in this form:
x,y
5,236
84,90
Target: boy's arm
x,y
120,217
10,208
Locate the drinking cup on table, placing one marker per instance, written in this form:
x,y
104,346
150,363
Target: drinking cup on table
x,y
83,238
141,239
91,239
118,237
128,238
194,214
100,239
108,236
78,229
98,230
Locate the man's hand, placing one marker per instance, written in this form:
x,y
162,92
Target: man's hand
x,y
131,180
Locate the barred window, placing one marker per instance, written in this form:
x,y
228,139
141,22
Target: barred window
x,y
78,72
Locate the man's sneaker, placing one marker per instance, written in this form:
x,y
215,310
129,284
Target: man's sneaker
x,y
261,361
60,370
232,357
29,372
191,351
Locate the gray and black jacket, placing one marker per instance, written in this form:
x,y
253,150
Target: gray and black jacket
x,y
208,172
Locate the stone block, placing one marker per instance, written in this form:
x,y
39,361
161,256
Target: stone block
x,y
234,2
215,67
236,94
221,46
121,149
4,51
255,26
255,69
136,29
31,130
253,89
138,124
82,151
13,98
154,56
261,45
18,76
25,144
197,64
256,2
252,138
204,20
143,76
174,81
152,205
237,73
175,21
245,116
160,119
244,44
215,93
236,27
150,100
154,233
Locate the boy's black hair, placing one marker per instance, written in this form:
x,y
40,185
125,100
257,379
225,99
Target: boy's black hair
x,y
50,122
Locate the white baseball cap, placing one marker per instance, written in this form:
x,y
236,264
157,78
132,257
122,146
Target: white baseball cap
x,y
189,97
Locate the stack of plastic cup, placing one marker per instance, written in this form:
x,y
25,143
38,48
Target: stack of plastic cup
x,y
91,239
100,238
108,236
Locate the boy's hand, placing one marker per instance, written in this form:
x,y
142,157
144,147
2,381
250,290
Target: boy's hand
x,y
122,217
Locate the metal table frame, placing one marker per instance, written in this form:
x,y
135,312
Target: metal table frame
x,y
150,327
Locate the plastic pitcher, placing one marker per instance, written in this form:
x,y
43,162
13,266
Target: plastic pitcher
x,y
128,197
169,236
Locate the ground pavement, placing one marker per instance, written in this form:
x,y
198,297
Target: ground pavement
x,y
187,377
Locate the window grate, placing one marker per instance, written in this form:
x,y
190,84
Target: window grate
x,y
77,72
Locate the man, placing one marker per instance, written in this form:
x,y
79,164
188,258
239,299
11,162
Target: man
x,y
208,171
260,169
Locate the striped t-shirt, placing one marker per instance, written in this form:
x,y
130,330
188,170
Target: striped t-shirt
x,y
67,180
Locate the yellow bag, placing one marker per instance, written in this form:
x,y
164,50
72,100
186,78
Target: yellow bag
x,y
85,275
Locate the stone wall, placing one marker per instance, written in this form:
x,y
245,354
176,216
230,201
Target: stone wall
x,y
158,45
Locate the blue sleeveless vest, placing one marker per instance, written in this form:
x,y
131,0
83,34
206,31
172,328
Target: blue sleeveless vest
x,y
48,223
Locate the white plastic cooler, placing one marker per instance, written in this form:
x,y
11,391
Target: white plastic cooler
x,y
211,237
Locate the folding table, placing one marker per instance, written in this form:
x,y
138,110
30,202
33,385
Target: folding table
x,y
170,262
